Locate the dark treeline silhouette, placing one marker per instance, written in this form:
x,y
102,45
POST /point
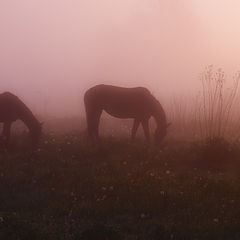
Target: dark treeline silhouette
x,y
12,109
137,103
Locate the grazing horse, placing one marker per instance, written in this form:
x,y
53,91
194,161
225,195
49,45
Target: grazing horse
x,y
11,109
137,103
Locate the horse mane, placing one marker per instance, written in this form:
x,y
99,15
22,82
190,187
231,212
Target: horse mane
x,y
159,114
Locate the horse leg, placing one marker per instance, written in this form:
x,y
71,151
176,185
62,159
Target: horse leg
x,y
146,129
90,128
136,123
6,133
97,116
90,121
93,118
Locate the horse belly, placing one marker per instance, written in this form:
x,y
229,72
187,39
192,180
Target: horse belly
x,y
120,115
126,111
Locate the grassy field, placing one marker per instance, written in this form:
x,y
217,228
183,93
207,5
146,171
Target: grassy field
x,y
68,190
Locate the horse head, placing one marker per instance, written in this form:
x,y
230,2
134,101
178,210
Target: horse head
x,y
160,133
35,134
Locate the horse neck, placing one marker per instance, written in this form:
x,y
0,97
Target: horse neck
x,y
159,115
28,118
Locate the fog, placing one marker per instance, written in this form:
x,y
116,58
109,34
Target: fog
x,y
52,51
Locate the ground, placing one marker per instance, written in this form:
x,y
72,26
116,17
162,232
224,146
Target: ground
x,y
69,190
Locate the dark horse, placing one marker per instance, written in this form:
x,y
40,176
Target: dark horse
x,y
137,103
11,109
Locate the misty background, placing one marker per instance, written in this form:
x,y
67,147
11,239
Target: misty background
x,y
52,51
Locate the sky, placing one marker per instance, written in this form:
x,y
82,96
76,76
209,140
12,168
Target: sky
x,y
52,51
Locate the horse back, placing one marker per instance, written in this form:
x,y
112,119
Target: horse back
x,y
10,107
119,101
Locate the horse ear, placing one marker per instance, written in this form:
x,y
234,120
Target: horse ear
x,y
169,124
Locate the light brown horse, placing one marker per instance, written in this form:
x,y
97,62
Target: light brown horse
x,y
137,103
11,109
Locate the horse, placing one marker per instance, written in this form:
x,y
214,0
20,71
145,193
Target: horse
x,y
12,109
135,103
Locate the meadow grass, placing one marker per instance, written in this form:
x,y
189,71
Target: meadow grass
x,y
120,190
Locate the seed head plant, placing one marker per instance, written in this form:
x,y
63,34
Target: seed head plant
x,y
215,105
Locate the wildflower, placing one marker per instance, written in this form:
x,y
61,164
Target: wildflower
x,y
216,220
1,219
167,172
101,198
152,174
